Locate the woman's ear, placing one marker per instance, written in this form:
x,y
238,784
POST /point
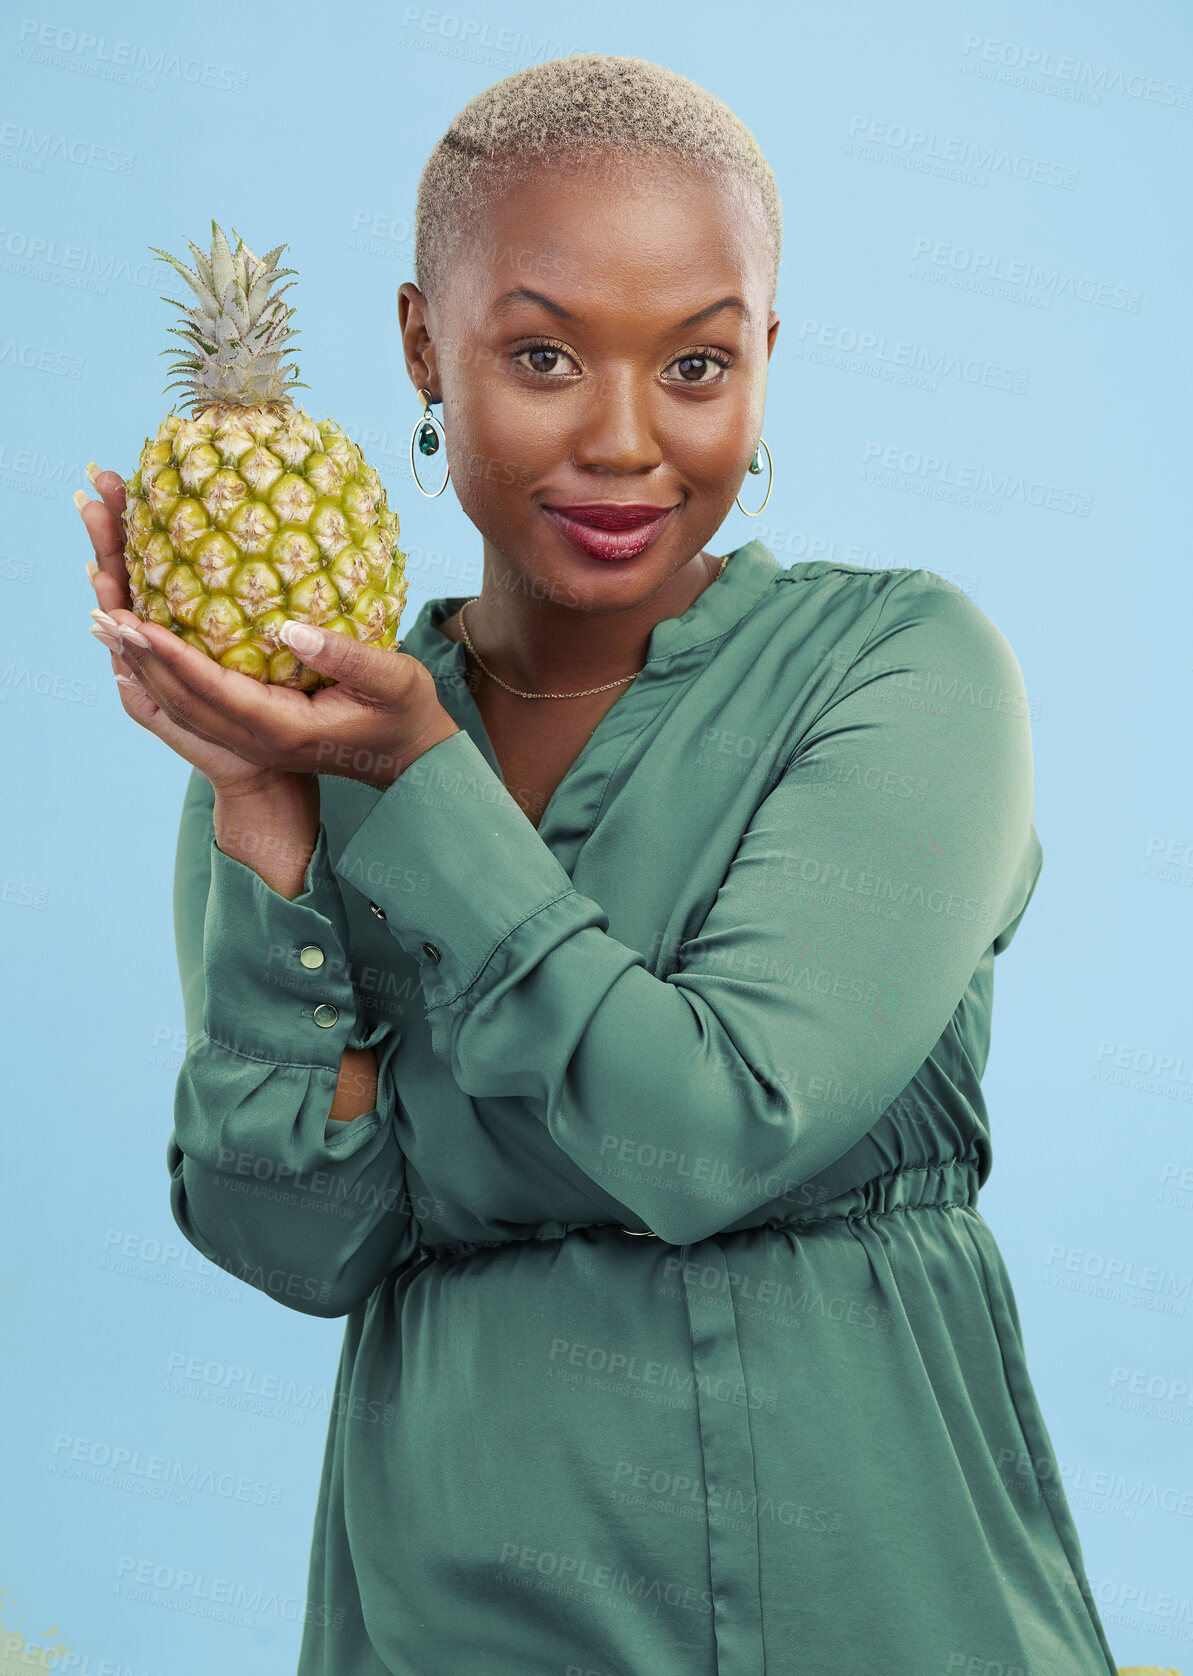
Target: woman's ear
x,y
417,344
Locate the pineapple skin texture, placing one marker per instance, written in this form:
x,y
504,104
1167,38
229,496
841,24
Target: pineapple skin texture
x,y
239,518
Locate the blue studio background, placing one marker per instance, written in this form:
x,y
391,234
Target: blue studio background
x,y
983,369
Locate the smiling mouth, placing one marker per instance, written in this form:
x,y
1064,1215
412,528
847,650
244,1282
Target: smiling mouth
x,y
611,515
609,529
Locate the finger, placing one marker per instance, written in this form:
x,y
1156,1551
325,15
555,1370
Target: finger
x,y
139,703
225,706
118,629
369,672
112,643
109,485
108,592
110,577
125,675
112,634
121,633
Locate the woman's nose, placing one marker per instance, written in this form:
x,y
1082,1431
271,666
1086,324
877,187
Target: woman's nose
x,y
614,428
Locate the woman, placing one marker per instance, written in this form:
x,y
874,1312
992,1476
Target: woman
x,y
612,1064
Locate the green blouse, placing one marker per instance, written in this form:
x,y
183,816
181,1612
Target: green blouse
x,y
675,1341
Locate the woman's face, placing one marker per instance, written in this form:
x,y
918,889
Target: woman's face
x,y
571,371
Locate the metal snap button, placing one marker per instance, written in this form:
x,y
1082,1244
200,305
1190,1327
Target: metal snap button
x,y
374,909
326,1015
311,955
431,952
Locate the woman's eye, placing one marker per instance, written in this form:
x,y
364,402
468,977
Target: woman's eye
x,y
546,359
698,369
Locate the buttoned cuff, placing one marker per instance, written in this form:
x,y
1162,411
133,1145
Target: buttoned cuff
x,y
451,863
277,980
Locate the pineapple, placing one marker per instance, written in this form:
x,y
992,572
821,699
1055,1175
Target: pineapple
x,y
248,511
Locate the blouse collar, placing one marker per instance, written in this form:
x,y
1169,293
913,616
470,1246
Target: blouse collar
x,y
750,571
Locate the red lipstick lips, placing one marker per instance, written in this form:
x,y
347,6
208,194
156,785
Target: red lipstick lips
x,y
609,529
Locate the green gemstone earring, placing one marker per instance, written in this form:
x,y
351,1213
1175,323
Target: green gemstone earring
x,y
427,438
755,470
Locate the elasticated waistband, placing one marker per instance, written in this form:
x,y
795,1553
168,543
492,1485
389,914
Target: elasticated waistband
x,y
941,1185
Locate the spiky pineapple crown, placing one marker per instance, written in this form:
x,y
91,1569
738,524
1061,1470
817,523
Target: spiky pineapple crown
x,y
240,331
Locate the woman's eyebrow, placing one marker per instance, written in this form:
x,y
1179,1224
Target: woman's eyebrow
x,y
522,294
713,308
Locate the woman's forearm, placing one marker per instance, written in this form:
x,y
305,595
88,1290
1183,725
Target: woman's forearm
x,y
356,1087
274,832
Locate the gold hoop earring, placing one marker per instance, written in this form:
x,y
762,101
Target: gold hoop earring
x,y
426,433
755,469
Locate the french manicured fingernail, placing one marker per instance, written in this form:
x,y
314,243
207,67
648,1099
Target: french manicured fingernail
x,y
301,637
92,566
81,499
106,639
131,681
122,630
93,472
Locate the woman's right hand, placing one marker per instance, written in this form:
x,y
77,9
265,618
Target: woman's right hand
x,y
228,773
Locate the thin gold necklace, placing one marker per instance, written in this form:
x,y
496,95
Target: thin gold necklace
x,y
587,690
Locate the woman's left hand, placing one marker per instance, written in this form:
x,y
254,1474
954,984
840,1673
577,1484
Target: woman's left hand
x,y
382,713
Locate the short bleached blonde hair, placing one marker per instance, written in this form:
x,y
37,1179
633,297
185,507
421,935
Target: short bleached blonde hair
x,y
560,113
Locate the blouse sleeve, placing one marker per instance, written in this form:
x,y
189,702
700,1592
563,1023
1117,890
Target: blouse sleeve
x,y
309,1210
836,950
